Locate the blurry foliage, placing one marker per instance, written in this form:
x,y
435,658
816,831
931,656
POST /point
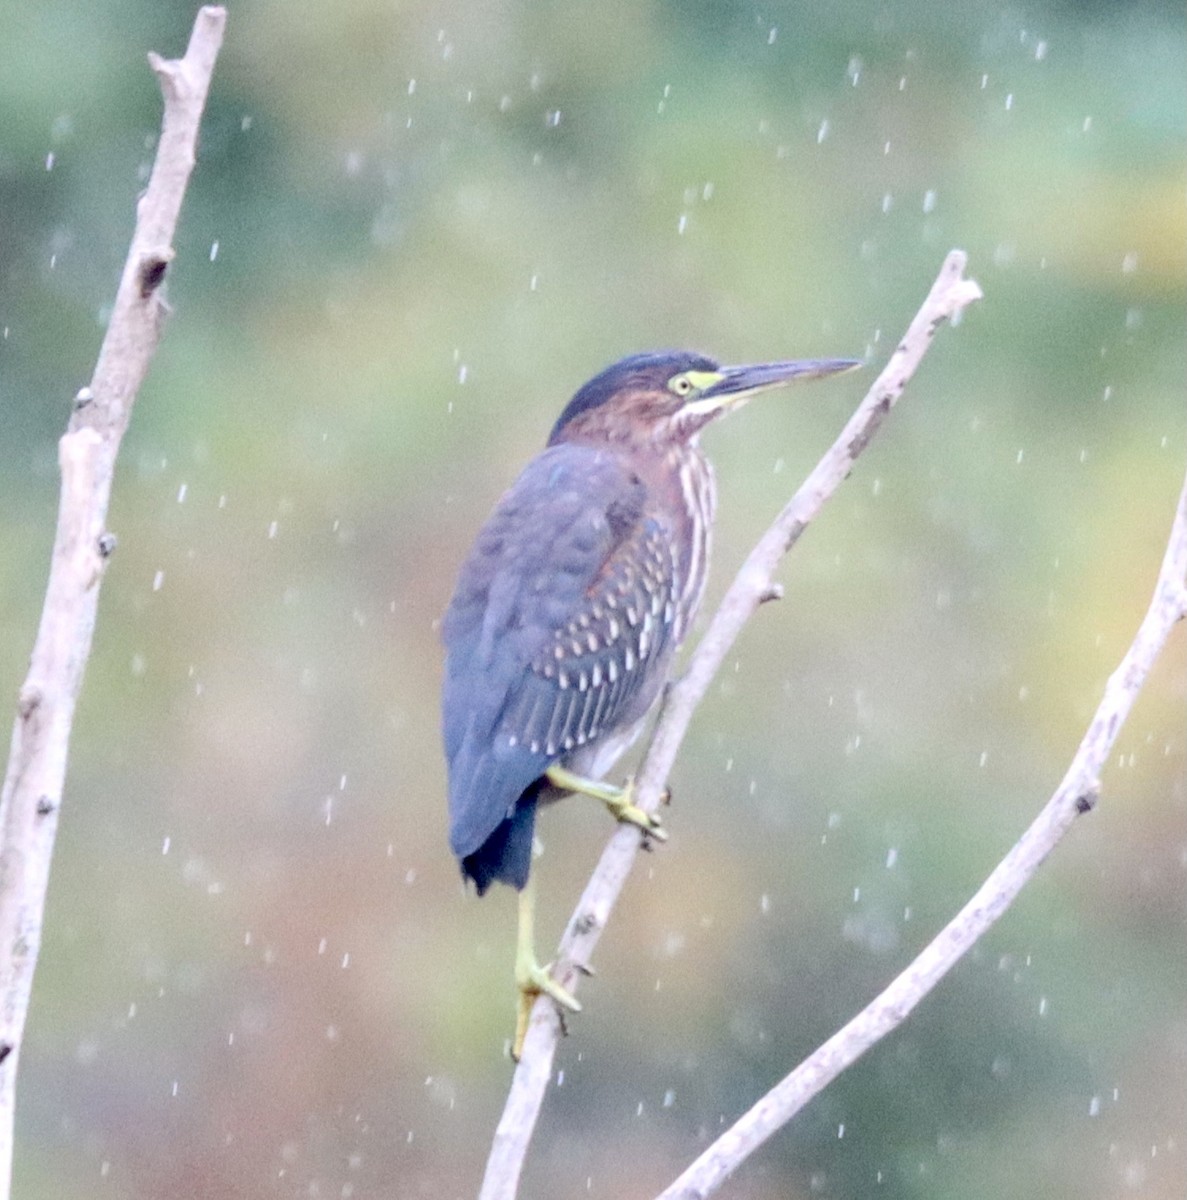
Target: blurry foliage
x,y
414,230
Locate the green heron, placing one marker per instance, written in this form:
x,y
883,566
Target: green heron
x,y
572,602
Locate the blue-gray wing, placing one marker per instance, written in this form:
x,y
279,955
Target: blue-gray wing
x,y
562,605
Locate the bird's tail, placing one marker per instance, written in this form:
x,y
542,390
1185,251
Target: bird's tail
x,y
506,855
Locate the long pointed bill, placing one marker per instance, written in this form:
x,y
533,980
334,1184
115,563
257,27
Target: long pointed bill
x,y
739,382
730,387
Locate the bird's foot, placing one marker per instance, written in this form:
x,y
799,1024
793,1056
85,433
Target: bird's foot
x,y
619,800
623,808
533,980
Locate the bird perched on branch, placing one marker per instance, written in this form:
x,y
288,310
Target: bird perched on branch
x,y
570,606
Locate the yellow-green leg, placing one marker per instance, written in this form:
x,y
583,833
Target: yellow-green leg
x,y
619,800
531,979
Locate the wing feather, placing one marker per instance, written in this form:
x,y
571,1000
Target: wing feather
x,y
553,595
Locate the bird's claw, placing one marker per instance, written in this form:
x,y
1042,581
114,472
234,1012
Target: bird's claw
x,y
649,825
623,808
535,981
619,800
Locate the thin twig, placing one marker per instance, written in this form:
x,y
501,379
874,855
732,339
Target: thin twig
x,y
949,295
1077,794
36,771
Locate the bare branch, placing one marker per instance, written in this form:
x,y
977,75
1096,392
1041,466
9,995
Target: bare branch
x,y
949,295
1077,794
86,453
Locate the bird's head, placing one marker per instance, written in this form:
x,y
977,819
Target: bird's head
x,y
671,395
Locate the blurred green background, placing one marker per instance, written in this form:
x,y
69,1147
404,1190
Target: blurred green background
x,y
415,228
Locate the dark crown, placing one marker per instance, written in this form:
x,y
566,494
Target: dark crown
x,y
637,373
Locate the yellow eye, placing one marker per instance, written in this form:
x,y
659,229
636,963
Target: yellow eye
x,y
681,385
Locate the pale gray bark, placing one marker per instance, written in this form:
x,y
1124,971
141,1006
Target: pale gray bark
x,y
87,452
754,584
1076,795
